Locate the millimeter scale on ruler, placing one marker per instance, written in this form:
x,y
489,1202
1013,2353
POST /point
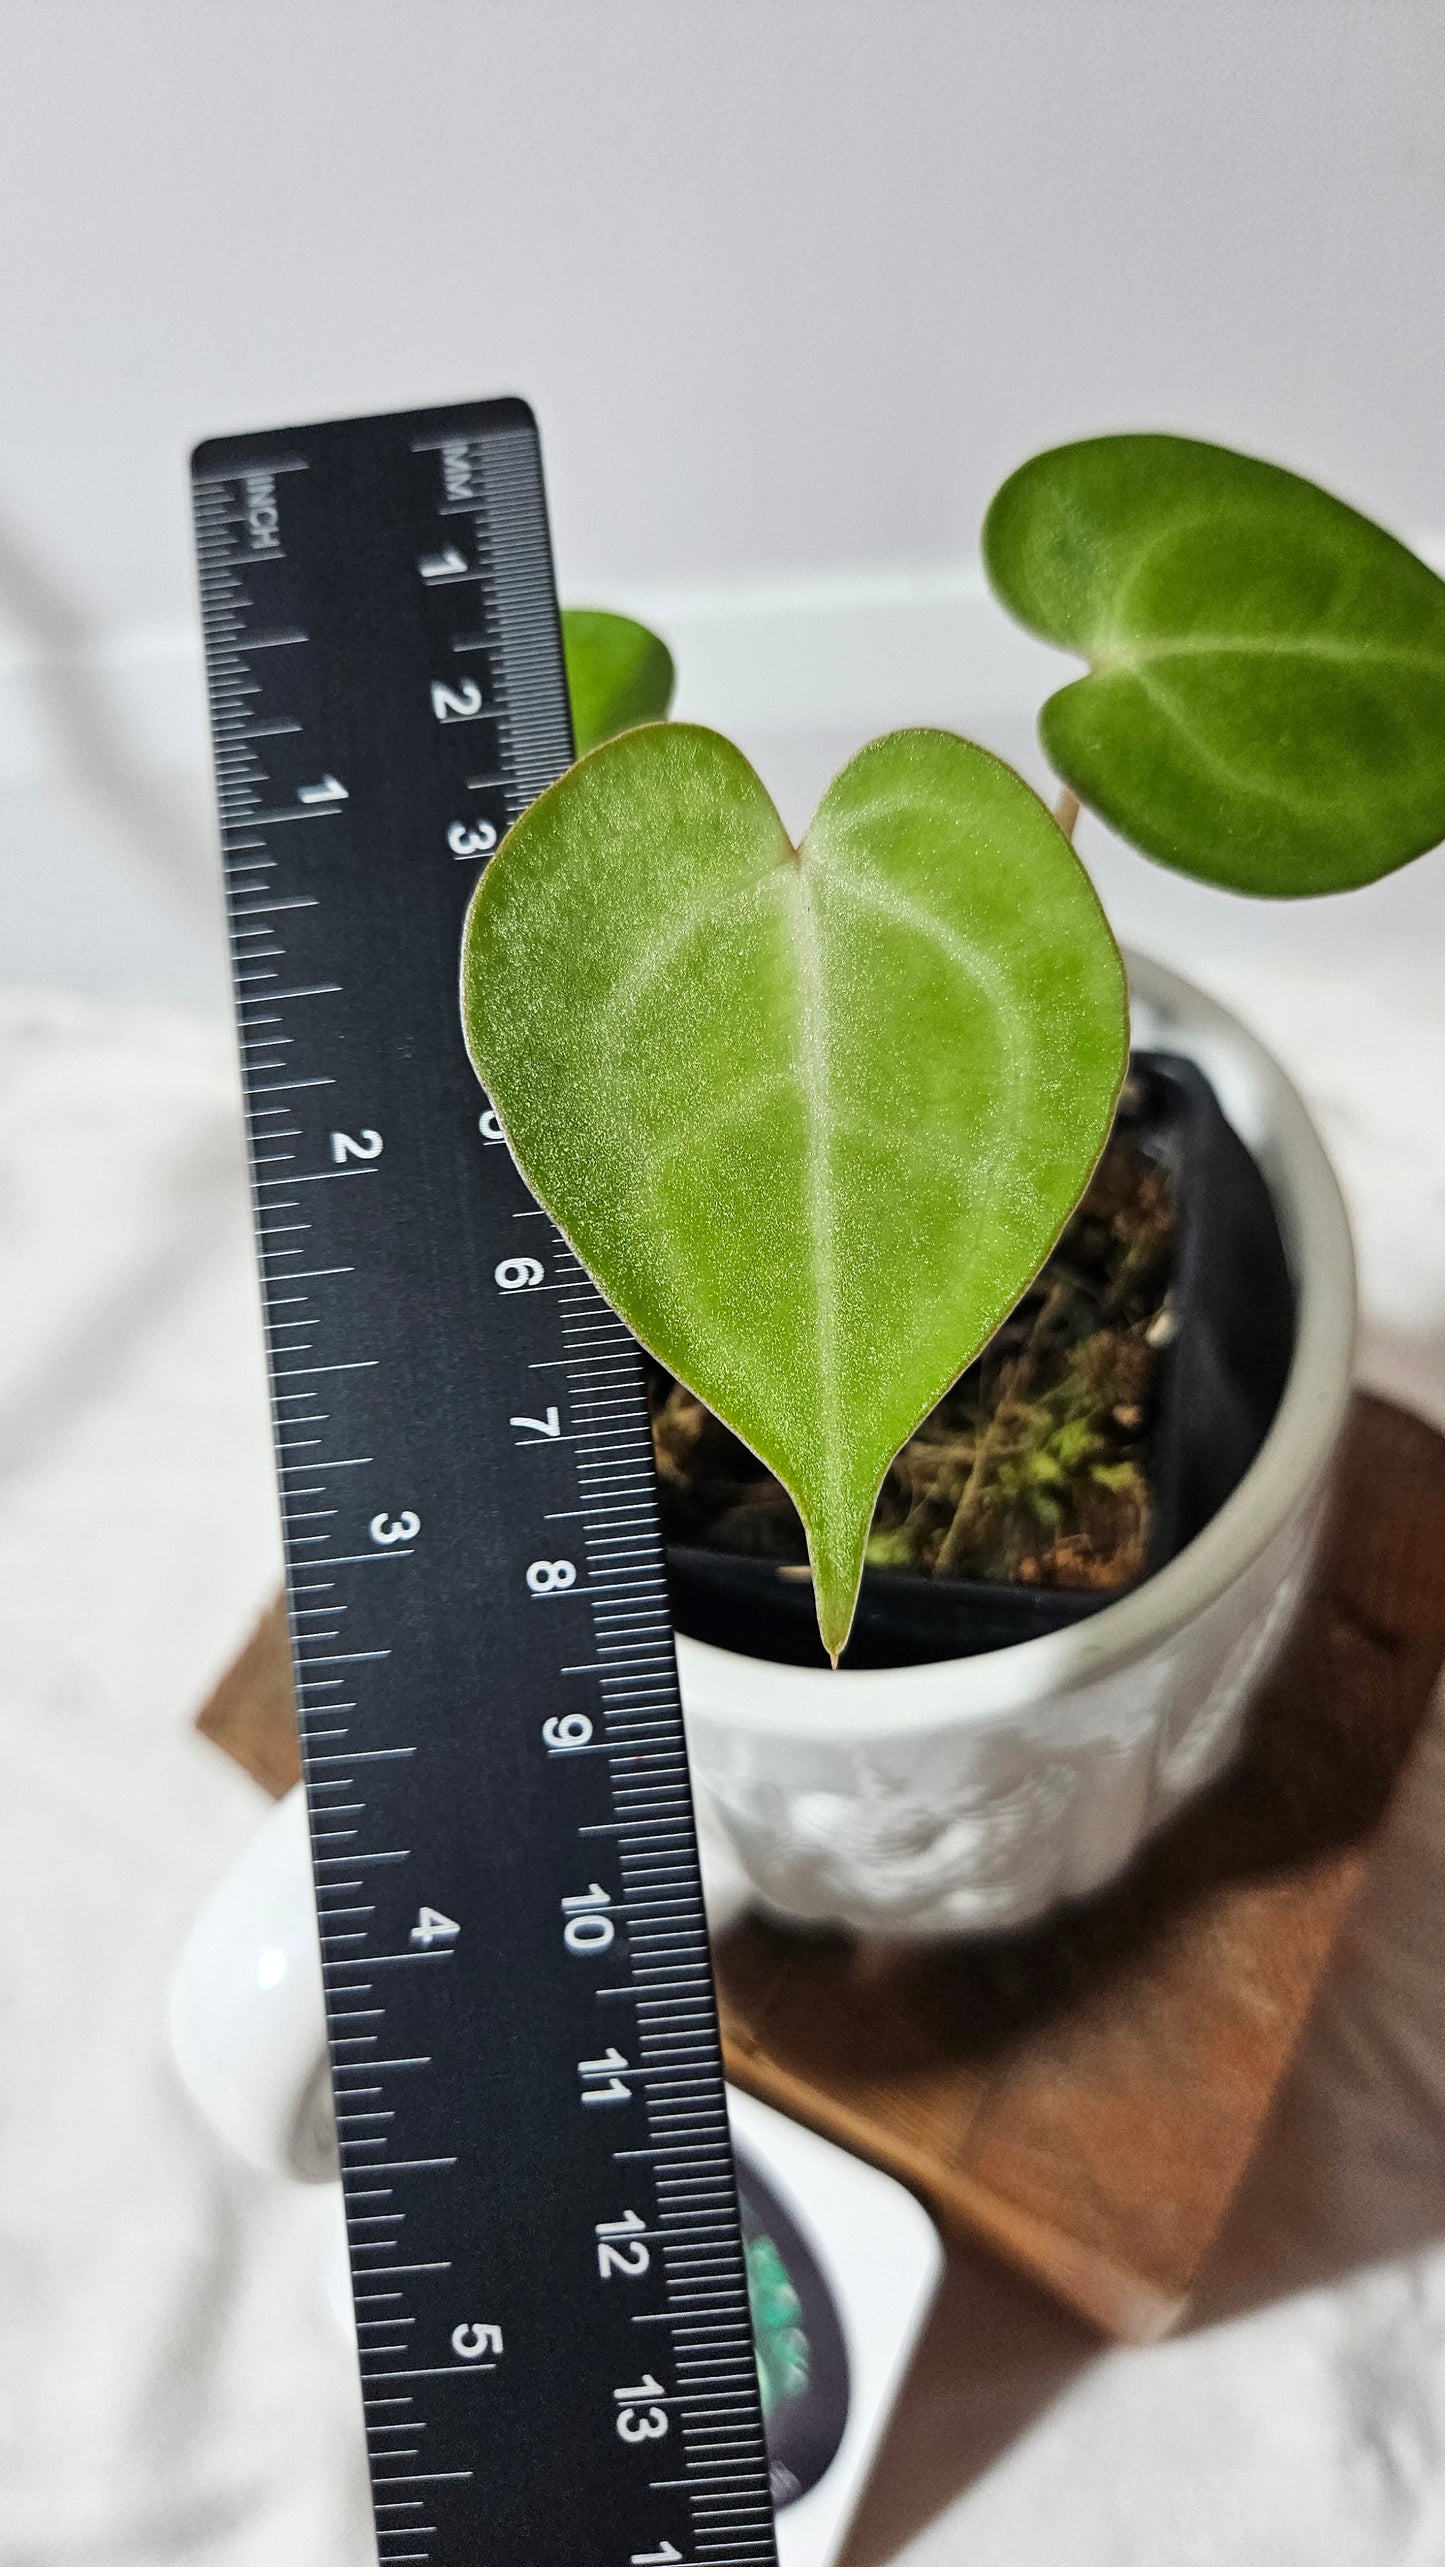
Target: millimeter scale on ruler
x,y
551,2301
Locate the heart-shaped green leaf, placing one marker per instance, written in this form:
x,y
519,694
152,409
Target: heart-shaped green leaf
x,y
1266,703
618,674
812,1117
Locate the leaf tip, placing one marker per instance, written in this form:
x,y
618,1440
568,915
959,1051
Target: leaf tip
x,y
835,1596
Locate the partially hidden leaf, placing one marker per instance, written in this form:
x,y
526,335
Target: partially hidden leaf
x,y
618,674
1266,700
812,1117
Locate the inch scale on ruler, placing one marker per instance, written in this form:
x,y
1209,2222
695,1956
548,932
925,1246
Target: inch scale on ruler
x,y
551,2299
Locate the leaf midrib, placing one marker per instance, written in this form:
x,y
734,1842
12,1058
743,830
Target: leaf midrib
x,y
1132,656
813,1061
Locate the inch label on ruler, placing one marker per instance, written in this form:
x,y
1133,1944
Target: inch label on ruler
x,y
551,2298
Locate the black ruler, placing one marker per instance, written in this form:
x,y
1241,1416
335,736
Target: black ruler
x,y
551,2299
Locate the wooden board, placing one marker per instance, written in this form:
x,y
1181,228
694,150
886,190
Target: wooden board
x,y
1086,2096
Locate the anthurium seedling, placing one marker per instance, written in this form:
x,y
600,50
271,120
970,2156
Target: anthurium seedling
x,y
814,1116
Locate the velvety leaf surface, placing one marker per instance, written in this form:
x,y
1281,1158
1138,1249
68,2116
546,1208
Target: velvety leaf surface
x,y
1266,703
813,1118
618,674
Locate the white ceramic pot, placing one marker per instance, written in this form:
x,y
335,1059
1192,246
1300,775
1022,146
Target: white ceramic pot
x,y
976,1793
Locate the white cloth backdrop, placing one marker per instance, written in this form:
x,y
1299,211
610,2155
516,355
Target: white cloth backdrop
x,y
174,2388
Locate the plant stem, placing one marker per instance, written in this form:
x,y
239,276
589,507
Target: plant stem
x,y
1014,1381
1066,812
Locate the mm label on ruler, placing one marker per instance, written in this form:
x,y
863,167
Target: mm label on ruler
x,y
551,2301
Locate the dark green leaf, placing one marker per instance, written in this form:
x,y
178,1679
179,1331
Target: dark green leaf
x,y
618,674
1266,703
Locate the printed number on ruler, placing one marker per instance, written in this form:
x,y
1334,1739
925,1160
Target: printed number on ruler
x,y
588,1931
636,2424
471,837
551,1577
462,703
621,2249
567,1733
386,1529
611,2089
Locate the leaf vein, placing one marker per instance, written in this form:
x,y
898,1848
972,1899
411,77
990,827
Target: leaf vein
x,y
679,931
980,966
1245,780
1132,657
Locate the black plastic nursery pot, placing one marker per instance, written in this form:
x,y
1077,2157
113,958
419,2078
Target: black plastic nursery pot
x,y
1220,1382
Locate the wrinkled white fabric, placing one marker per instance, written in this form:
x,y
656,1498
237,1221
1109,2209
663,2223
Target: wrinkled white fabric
x,y
173,2386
